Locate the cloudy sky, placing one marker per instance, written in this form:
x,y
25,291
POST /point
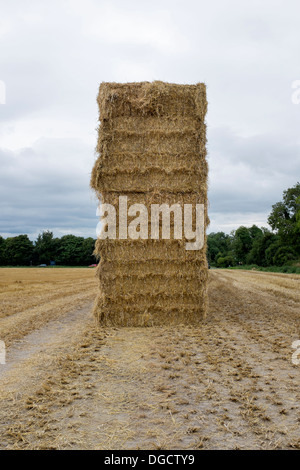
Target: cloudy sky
x,y
54,54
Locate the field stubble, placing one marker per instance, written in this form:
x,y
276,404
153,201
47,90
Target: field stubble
x,y
230,383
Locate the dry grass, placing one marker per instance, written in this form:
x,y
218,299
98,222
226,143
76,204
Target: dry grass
x,y
227,384
29,298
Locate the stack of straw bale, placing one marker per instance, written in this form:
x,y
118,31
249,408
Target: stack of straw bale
x,y
151,148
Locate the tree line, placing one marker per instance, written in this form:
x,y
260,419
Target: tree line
x,y
261,246
253,245
68,250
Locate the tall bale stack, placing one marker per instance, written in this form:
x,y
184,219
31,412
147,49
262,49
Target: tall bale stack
x,y
152,149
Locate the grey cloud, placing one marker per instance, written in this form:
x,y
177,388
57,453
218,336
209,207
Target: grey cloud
x,y
248,174
47,186
55,54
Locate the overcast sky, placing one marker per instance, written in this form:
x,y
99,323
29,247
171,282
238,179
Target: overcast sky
x,y
54,54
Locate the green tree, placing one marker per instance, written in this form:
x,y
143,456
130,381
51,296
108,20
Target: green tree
x,y
70,251
218,244
255,232
271,251
2,251
225,261
298,217
242,244
261,244
284,218
283,255
88,247
19,250
46,247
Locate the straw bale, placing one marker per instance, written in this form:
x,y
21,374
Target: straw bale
x,y
163,301
154,197
151,312
150,180
172,143
147,250
148,109
152,285
132,163
151,99
110,269
152,148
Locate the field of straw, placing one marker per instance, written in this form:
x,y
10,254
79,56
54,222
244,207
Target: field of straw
x,y
69,384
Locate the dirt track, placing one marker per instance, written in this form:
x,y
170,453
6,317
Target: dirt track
x,y
228,384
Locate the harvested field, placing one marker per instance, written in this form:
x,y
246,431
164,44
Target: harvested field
x,y
29,298
228,384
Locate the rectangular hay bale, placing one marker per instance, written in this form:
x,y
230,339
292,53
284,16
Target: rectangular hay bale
x,y
152,148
